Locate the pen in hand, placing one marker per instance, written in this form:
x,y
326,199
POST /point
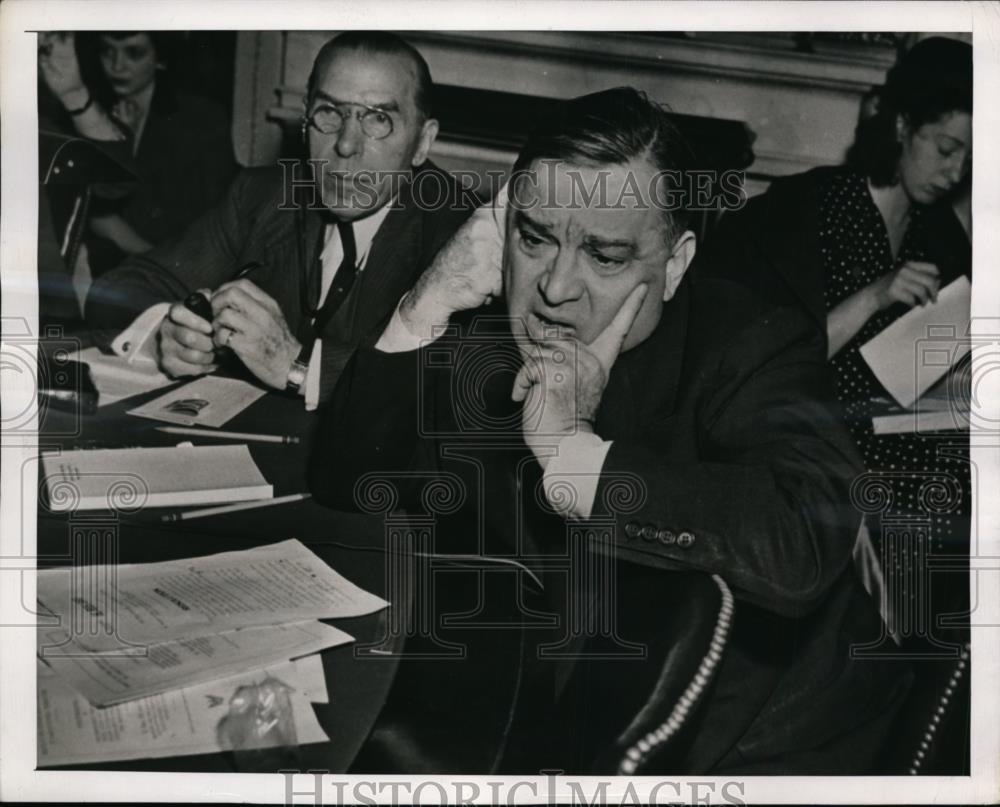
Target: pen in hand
x,y
248,268
200,305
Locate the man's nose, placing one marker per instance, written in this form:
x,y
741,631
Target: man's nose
x,y
117,61
561,282
350,140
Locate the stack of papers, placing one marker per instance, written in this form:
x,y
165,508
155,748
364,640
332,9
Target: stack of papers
x,y
944,407
72,731
141,649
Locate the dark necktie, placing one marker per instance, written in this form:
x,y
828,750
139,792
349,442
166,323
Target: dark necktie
x,y
347,272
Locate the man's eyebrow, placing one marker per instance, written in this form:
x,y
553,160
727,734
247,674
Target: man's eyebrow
x,y
523,218
598,242
388,106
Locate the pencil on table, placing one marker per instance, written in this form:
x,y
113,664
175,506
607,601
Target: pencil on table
x,y
234,508
287,439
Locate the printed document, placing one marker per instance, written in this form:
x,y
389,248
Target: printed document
x,y
117,609
108,679
179,722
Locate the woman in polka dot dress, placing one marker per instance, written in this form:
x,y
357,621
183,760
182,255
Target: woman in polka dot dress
x,y
886,247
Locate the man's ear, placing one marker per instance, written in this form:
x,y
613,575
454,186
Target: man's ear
x,y
428,133
678,263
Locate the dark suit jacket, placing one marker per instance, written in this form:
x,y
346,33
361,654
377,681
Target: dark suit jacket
x,y
723,420
257,222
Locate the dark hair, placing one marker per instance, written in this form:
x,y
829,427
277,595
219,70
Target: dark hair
x,y
611,127
380,43
931,80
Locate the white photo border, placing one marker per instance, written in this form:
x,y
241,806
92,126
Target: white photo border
x,y
19,19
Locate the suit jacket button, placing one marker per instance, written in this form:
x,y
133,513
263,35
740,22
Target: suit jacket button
x,y
649,532
685,540
666,537
632,530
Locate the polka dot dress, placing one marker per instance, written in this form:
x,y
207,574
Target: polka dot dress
x,y
855,252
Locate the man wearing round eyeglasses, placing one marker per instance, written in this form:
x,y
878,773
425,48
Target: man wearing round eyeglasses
x,y
300,267
366,121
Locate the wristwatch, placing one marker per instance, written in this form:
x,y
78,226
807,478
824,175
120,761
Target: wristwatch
x,y
297,372
82,109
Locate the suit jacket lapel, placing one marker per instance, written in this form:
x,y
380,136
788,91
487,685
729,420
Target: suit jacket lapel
x,y
391,265
290,264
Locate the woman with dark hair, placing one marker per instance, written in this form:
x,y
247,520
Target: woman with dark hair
x,y
888,241
181,144
912,153
858,246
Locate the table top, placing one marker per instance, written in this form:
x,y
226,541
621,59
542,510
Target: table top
x,y
353,544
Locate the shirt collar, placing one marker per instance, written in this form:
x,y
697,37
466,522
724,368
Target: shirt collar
x,y
364,232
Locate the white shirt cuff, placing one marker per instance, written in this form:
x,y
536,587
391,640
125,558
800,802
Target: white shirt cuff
x,y
397,338
311,388
137,343
571,476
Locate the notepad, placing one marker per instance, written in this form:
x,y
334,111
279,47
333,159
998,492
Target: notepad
x,y
208,401
132,478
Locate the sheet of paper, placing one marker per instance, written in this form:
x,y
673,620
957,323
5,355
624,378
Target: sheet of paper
x,y
179,722
207,401
311,676
915,352
117,378
107,609
105,679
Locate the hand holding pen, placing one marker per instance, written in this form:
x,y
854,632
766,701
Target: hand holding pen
x,y
186,334
199,302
